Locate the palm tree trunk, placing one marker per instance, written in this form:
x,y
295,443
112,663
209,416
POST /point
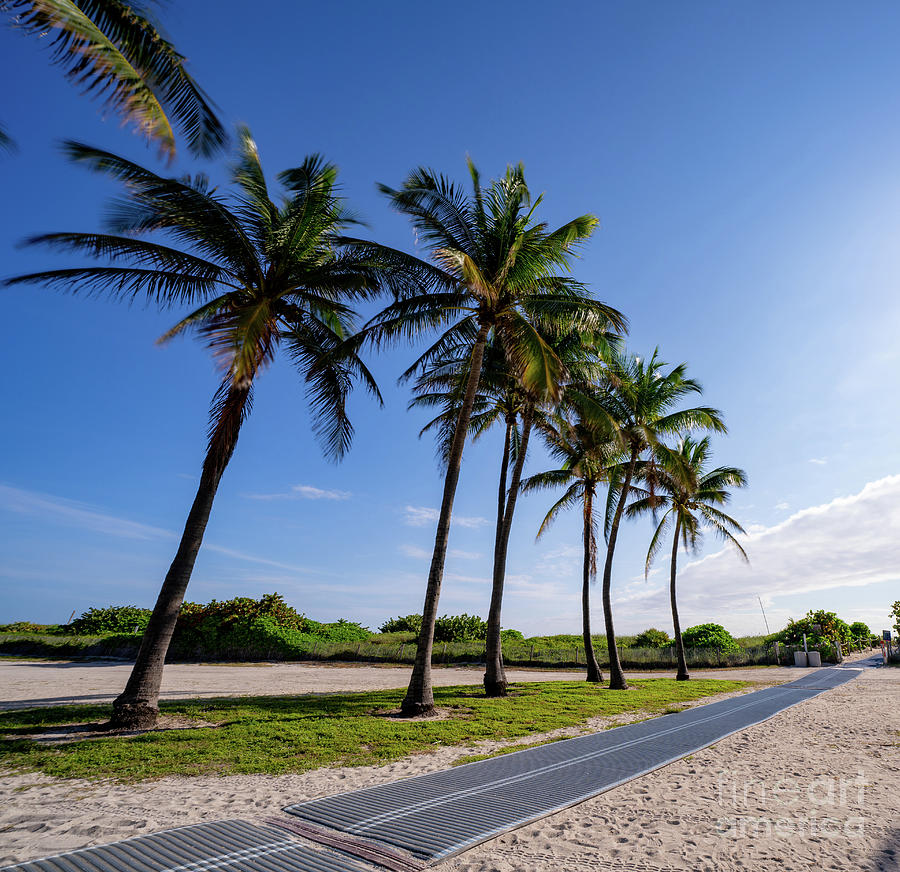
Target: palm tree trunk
x,y
679,642
494,662
495,683
616,676
593,668
419,697
137,707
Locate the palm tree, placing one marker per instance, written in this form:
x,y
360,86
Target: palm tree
x,y
679,483
501,398
641,400
587,445
259,275
499,268
116,50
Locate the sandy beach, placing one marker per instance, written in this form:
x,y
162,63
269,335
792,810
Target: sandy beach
x,y
26,684
815,787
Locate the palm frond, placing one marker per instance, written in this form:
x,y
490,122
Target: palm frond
x,y
111,49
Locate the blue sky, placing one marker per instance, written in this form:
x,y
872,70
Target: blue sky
x,y
744,160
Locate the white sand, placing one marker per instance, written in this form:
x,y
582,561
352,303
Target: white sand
x,y
691,815
25,684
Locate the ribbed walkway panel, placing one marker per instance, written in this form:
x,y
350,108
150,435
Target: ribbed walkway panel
x,y
434,816
224,846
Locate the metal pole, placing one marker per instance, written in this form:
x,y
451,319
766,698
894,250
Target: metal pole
x,y
764,614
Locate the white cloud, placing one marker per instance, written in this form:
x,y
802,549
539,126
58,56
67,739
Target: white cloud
x,y
819,461
304,492
463,555
422,516
414,551
849,542
782,506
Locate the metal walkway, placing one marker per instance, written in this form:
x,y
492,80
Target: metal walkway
x,y
224,846
431,817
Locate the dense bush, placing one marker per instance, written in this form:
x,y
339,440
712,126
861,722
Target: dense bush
x,y
895,614
651,638
831,627
459,628
403,624
860,631
247,627
115,619
709,636
512,636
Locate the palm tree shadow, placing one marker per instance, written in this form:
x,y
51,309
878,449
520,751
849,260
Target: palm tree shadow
x,y
887,856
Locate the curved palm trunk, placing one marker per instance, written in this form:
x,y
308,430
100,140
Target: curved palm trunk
x,y
593,668
616,676
137,707
495,683
419,697
679,642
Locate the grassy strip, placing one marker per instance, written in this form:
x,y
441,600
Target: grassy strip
x,y
292,734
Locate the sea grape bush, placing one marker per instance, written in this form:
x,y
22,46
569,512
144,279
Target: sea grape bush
x,y
651,638
402,624
115,619
709,636
459,628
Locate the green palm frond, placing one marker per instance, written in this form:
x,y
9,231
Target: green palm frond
x,y
257,276
114,50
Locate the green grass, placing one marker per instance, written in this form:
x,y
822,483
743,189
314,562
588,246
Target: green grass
x,y
293,734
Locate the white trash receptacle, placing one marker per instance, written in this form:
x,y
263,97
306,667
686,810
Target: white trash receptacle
x,y
815,658
800,658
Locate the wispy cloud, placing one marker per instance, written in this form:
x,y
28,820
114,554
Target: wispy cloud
x,y
414,551
782,506
303,492
421,554
463,555
819,461
72,513
422,516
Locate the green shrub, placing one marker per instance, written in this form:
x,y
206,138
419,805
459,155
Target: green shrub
x,y
403,624
29,627
115,619
339,631
511,636
651,638
459,628
860,631
709,636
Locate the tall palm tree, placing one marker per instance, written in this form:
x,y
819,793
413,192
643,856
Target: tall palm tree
x,y
587,445
116,51
641,400
679,483
500,269
502,398
260,274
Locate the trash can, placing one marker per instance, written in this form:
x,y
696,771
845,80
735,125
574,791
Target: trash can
x,y
815,658
800,658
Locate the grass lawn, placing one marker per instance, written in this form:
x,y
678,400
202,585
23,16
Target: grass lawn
x,y
274,735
